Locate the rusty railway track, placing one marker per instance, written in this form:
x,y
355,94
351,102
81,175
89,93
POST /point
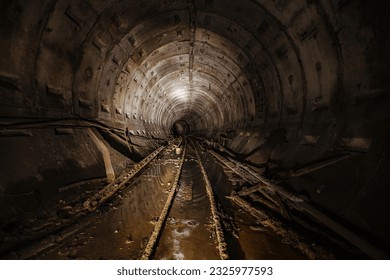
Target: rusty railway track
x,y
215,218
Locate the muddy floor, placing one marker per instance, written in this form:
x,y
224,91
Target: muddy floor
x,y
121,227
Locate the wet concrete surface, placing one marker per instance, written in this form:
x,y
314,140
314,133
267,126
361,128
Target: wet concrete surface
x,y
189,225
245,237
123,226
260,243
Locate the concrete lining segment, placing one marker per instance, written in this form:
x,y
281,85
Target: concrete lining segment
x,y
105,153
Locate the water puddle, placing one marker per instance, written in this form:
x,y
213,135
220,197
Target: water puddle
x,y
182,230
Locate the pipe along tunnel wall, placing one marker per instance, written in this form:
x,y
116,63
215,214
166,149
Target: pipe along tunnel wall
x,y
294,91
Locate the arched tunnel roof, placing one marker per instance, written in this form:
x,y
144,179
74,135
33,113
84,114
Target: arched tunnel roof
x,y
218,69
294,88
220,65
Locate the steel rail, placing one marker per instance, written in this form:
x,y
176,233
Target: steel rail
x,y
304,206
153,239
221,244
79,214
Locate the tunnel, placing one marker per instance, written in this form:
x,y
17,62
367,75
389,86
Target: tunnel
x,y
194,129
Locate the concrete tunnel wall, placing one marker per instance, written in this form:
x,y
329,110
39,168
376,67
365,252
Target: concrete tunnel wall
x,y
285,83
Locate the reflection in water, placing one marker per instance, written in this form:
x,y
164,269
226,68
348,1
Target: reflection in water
x,y
123,226
183,229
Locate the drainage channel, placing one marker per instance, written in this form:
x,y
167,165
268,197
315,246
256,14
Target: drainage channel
x,y
192,227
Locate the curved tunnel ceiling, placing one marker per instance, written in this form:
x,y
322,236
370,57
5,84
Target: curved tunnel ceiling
x,y
281,84
218,65
181,69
